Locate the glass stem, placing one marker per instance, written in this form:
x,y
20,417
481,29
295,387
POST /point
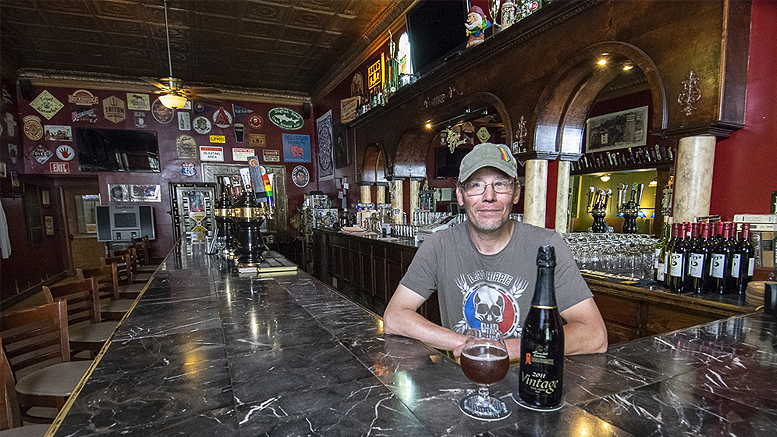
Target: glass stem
x,y
483,391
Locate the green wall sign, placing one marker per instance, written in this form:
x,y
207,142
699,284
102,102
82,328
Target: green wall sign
x,y
286,118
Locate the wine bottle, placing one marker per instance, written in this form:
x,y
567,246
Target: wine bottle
x,y
678,264
542,340
698,261
720,263
742,261
672,242
659,263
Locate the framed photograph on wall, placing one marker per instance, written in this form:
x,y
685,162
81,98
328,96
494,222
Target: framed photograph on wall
x,y
617,130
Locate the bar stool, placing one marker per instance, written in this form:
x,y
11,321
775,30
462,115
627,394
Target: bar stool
x,y
127,289
112,306
33,337
86,329
10,415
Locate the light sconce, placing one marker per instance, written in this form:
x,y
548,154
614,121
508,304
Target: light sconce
x,y
605,177
172,101
627,66
653,183
602,62
428,124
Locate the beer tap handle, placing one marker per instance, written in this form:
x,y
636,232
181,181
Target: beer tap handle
x,y
590,198
607,195
621,195
640,190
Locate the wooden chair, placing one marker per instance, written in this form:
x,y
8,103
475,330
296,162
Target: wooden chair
x,y
132,258
127,289
142,249
10,414
87,331
37,345
112,306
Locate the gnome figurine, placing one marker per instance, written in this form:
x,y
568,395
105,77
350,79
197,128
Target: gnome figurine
x,y
476,26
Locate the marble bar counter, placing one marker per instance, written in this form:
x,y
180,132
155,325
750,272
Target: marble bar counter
x,y
211,352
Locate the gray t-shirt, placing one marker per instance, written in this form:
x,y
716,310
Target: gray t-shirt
x,y
476,290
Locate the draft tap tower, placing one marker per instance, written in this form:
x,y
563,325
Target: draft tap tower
x,y
630,208
252,207
225,233
597,207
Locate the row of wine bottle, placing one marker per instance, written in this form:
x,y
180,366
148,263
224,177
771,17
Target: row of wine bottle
x,y
705,258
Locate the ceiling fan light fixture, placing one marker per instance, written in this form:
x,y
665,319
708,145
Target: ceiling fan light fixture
x,y
172,101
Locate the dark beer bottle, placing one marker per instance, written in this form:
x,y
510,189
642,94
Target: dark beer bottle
x,y
542,340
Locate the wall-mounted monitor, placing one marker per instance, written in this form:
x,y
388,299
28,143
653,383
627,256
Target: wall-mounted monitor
x,y
436,30
117,150
123,223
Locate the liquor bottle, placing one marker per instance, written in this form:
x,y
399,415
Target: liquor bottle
x,y
678,264
742,261
670,247
720,263
698,261
542,340
659,263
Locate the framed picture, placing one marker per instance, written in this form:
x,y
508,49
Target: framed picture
x,y
341,147
617,130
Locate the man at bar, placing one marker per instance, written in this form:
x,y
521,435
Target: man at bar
x,y
484,269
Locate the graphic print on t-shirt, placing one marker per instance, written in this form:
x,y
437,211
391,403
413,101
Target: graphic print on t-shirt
x,y
490,302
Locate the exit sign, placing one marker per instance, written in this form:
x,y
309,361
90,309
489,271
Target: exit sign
x,y
59,167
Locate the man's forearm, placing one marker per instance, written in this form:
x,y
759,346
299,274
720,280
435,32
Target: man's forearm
x,y
411,324
580,338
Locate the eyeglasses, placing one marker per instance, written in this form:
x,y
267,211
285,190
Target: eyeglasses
x,y
476,188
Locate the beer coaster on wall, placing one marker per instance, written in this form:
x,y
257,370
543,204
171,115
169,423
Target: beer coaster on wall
x,y
286,118
83,98
300,176
113,109
222,118
46,104
255,121
161,113
138,102
186,147
184,121
65,152
33,129
79,114
188,169
257,140
140,120
201,125
41,154
57,133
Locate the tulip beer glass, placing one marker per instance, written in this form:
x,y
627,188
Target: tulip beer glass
x,y
484,360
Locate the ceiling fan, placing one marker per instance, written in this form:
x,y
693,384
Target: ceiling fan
x,y
172,92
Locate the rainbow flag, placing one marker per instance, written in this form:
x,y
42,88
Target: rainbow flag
x,y
267,186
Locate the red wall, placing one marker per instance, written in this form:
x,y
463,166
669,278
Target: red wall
x,y
746,163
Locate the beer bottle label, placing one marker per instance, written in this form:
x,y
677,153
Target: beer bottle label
x,y
696,265
735,261
676,267
718,265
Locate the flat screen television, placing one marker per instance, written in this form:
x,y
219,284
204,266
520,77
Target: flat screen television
x,y
117,150
446,164
435,29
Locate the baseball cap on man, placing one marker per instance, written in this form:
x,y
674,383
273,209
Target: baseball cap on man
x,y
488,155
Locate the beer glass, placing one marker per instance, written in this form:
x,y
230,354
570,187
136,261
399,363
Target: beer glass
x,y
484,360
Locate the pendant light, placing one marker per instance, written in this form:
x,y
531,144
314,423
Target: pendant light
x,y
174,98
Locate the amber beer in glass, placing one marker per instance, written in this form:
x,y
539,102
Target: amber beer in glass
x,y
484,360
542,342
